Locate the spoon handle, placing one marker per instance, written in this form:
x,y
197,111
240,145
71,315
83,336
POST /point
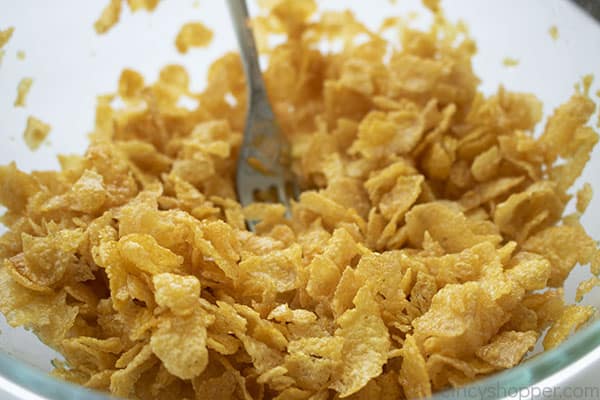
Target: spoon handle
x,y
241,22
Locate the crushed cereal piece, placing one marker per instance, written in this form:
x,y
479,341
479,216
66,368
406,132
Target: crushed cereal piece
x,y
193,34
508,348
22,91
5,36
585,287
35,132
131,84
572,318
109,17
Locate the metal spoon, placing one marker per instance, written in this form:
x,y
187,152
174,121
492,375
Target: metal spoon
x,y
264,155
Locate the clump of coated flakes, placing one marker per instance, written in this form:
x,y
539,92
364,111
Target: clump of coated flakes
x,y
428,249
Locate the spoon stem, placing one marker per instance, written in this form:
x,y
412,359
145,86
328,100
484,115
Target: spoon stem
x,y
247,44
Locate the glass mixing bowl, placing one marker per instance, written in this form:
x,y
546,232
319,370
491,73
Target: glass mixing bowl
x,y
71,65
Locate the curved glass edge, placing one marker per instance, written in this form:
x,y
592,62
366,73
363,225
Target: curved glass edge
x,y
532,371
35,381
527,374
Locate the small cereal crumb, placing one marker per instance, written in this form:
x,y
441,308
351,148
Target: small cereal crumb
x,y
109,17
193,34
553,31
35,133
22,91
510,62
196,4
1,56
5,36
21,55
584,196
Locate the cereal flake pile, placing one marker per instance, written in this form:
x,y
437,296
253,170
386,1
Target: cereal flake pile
x,y
428,248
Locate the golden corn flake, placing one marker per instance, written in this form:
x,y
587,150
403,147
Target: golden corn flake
x,y
22,91
178,293
585,287
131,84
315,361
193,34
109,17
428,247
447,330
564,246
123,381
5,36
366,343
143,252
529,270
88,194
48,314
35,133
571,319
413,375
180,343
508,348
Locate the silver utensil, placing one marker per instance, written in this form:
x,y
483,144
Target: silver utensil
x,y
264,156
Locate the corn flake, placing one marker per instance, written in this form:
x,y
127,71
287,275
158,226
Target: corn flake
x,y
572,318
22,91
366,343
35,133
5,35
178,293
180,343
508,348
109,17
193,34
